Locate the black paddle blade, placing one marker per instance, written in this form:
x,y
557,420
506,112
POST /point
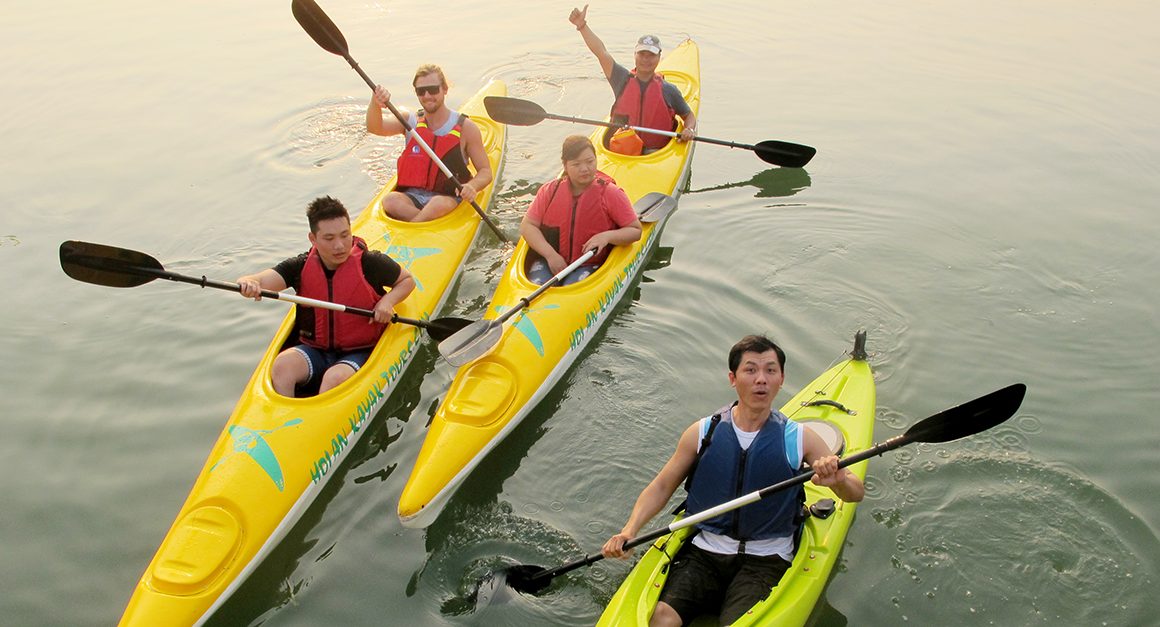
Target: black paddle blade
x,y
785,154
442,328
524,579
969,418
513,111
107,265
319,26
494,589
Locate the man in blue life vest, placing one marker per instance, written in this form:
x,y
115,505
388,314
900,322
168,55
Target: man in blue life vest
x,y
649,101
423,191
338,268
736,558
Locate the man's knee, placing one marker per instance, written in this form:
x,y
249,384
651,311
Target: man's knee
x,y
399,206
290,369
438,207
664,616
334,376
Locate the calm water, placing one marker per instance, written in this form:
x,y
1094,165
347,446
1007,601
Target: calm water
x,y
982,202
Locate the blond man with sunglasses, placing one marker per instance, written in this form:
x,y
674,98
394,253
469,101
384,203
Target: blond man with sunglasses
x,y
423,192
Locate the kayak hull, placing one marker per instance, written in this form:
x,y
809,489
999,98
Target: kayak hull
x,y
276,454
850,384
491,396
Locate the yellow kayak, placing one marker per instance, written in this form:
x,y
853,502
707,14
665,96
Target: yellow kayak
x,y
276,453
490,396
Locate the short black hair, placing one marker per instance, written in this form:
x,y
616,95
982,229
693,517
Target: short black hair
x,y
754,344
325,208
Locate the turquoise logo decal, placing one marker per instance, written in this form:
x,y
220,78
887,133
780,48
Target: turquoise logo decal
x,y
525,325
251,442
407,255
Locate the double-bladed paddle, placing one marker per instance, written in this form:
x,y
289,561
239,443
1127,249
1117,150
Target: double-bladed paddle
x,y
120,267
478,338
958,422
323,31
526,113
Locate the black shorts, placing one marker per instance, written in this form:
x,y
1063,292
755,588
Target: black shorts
x,y
725,586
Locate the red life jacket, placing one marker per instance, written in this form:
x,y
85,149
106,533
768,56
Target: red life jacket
x,y
567,225
333,330
648,110
416,169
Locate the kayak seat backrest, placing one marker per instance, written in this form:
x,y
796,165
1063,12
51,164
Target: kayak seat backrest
x,y
836,442
829,433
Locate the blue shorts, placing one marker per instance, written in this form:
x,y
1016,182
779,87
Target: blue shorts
x,y
419,196
319,361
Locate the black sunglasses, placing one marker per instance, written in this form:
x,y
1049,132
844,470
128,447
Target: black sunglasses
x,y
429,90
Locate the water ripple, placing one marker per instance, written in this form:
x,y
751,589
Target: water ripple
x,y
893,419
1056,546
874,488
328,131
482,543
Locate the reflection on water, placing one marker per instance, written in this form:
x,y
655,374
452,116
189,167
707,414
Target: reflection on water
x,y
771,183
661,258
826,615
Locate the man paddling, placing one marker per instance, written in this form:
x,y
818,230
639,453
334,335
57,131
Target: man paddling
x,y
423,191
338,267
648,101
738,557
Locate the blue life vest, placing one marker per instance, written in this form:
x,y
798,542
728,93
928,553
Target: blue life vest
x,y
724,472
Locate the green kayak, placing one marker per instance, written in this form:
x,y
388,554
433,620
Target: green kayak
x,y
840,406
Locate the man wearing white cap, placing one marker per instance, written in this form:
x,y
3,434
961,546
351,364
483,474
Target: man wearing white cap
x,y
648,101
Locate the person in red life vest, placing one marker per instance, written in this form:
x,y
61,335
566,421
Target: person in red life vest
x,y
736,558
337,268
581,211
423,191
648,101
